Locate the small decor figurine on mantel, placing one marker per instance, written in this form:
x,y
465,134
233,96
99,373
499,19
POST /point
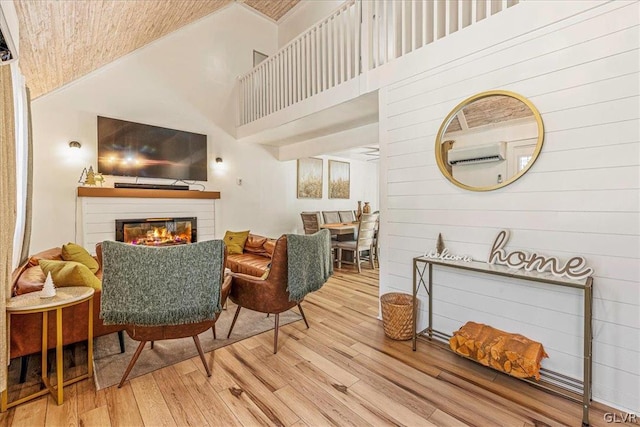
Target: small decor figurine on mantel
x,y
89,177
48,290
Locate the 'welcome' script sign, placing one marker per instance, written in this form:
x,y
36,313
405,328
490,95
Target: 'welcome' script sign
x,y
574,268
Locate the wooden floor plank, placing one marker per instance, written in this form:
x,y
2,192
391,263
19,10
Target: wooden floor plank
x,y
186,366
183,409
397,411
254,389
341,375
215,411
65,414
95,417
309,412
123,410
366,410
251,362
31,413
244,409
324,399
219,379
443,419
88,398
151,403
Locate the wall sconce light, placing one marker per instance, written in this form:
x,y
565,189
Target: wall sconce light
x,y
74,144
218,159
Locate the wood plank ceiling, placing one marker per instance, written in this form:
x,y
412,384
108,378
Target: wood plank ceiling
x,y
61,41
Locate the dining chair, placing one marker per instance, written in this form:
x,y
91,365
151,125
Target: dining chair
x,y
331,217
310,222
163,293
376,242
346,216
364,241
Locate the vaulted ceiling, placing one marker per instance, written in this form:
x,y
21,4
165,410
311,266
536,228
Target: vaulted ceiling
x,y
61,41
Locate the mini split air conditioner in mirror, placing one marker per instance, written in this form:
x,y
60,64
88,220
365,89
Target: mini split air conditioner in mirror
x,y
477,154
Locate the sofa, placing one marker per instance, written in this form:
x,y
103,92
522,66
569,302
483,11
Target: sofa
x,y
26,329
255,258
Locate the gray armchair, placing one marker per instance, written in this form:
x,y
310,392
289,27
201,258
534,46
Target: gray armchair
x,y
163,293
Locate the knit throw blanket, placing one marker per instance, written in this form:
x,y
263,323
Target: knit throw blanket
x,y
309,263
150,286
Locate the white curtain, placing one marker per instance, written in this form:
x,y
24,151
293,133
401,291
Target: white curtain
x,y
7,206
23,156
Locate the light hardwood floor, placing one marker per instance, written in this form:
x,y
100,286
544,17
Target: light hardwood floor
x,y
341,371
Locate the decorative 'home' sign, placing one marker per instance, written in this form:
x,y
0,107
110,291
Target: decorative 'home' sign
x,y
574,268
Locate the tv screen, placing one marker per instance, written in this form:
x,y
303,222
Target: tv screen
x,y
134,149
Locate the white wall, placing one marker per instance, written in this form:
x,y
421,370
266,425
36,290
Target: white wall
x,y
578,62
183,81
304,15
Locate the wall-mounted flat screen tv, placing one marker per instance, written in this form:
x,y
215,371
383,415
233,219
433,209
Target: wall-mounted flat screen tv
x,y
135,149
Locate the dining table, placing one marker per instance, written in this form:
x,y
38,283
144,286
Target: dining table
x,y
342,230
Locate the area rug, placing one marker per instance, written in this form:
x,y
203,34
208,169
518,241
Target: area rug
x,y
109,364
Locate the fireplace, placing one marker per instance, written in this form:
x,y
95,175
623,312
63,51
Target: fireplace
x,y
157,231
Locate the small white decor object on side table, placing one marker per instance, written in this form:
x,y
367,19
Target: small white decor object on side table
x,y
48,290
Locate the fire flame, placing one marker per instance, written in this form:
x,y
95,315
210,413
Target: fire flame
x,y
160,236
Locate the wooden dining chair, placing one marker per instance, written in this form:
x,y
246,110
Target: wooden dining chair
x,y
346,216
376,242
331,217
364,241
310,222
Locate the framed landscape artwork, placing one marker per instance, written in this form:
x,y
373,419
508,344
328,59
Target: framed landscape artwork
x,y
310,178
339,180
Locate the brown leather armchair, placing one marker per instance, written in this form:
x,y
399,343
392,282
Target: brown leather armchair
x,y
266,295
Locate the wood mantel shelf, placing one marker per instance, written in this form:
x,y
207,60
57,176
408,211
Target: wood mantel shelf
x,y
146,194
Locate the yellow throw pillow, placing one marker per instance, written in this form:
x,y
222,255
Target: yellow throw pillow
x,y
70,273
75,252
235,241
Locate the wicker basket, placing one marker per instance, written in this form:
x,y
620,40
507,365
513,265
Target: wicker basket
x,y
397,310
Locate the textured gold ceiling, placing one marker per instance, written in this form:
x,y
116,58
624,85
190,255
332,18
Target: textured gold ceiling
x,y
62,40
490,110
274,9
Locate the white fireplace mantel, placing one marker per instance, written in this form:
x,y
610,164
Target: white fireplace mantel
x,y
100,207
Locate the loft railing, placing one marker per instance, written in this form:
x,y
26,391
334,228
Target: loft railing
x,y
359,36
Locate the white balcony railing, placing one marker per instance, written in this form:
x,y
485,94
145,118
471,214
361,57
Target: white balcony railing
x,y
359,36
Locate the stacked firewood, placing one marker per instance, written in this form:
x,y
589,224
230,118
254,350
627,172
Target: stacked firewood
x,y
514,354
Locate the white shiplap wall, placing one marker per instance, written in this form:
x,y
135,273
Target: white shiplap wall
x,y
580,67
98,215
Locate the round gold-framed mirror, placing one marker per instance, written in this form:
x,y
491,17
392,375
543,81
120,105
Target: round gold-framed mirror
x,y
489,140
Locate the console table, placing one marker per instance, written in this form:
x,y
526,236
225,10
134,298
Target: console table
x,y
423,278
33,303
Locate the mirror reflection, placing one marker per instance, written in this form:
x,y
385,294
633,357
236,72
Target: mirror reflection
x,y
489,140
